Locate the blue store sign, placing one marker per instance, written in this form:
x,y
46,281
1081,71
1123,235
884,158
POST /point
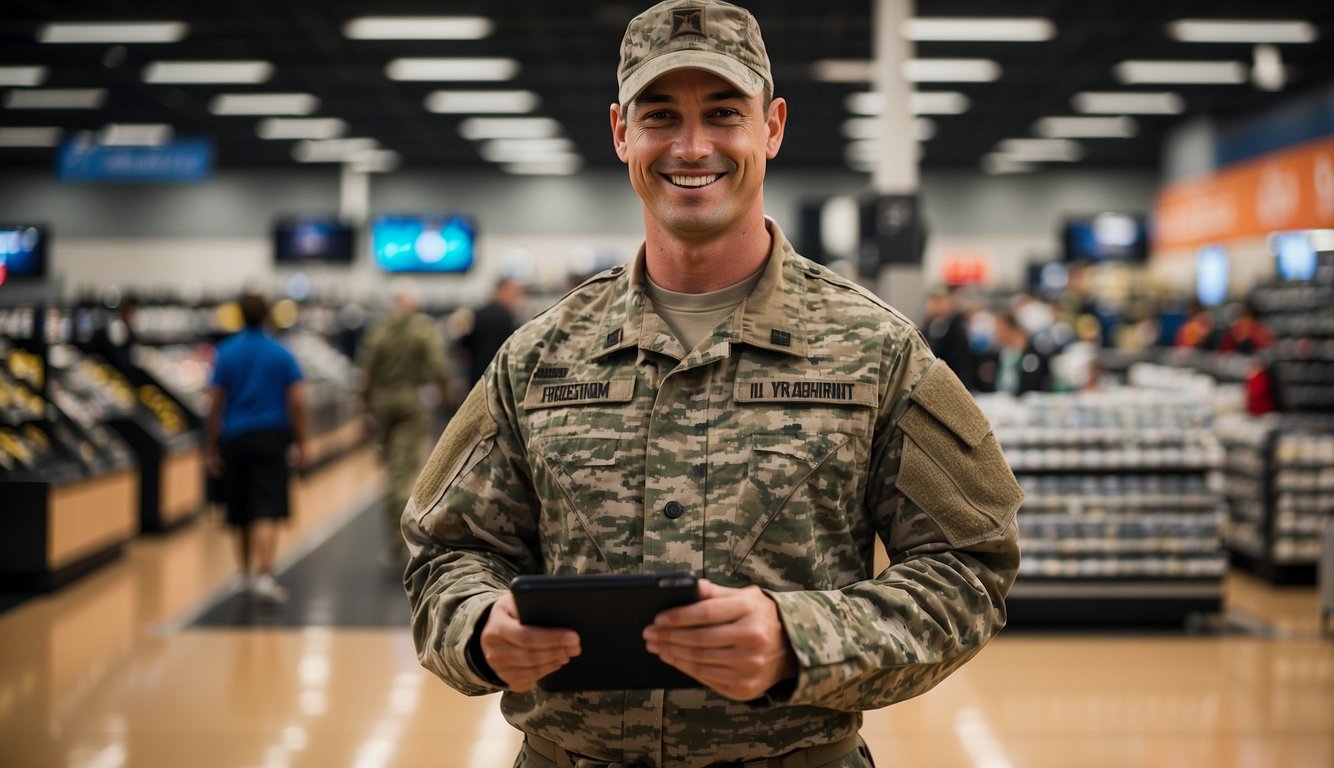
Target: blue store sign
x,y
179,160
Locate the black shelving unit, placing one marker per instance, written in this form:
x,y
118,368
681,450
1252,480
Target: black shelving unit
x,y
1123,510
1279,483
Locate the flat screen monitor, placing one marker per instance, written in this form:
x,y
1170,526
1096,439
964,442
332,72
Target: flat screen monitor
x,y
424,243
1211,275
1106,237
22,251
1295,255
312,240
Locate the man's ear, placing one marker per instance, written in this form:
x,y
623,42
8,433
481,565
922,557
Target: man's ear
x,y
776,121
618,126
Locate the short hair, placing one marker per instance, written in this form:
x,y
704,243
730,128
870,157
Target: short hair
x,y
254,309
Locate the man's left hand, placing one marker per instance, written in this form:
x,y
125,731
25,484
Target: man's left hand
x,y
731,640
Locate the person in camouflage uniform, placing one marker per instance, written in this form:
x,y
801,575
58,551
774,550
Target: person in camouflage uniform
x,y
725,406
401,354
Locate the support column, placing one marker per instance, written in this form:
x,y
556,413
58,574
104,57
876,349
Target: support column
x,y
900,282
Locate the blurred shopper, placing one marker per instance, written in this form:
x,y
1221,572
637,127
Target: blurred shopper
x,y
1246,334
947,332
256,433
491,325
115,340
1016,366
400,358
1198,331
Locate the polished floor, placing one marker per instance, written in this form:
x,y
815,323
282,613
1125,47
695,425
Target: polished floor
x,y
140,664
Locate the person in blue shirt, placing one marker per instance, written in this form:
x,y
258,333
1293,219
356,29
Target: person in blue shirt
x,y
256,434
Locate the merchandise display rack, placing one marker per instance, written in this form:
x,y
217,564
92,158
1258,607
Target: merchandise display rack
x,y
1279,482
68,481
1123,510
1301,317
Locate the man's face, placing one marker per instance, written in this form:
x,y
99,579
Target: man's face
x,y
696,150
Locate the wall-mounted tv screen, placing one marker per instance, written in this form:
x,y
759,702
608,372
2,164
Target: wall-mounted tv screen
x,y
1295,255
22,251
313,240
1211,275
1106,237
423,243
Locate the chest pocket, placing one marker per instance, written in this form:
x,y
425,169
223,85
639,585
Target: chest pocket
x,y
792,522
591,495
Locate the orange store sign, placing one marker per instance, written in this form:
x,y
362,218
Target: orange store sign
x,y
1290,189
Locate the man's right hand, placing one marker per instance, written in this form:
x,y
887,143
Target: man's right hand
x,y
519,654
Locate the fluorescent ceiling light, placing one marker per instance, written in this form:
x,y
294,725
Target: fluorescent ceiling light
x,y
1193,72
134,134
113,32
418,28
981,29
559,167
208,72
301,128
22,76
1242,31
524,150
869,128
863,156
31,136
1041,150
919,103
332,150
263,104
1086,127
481,102
375,161
995,164
56,98
452,69
480,128
842,71
951,70
1127,103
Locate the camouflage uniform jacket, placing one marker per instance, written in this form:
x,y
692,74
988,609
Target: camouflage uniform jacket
x,y
815,420
399,355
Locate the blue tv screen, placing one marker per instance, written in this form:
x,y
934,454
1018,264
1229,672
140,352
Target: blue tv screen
x,y
312,240
1107,237
22,251
1211,275
1295,254
423,243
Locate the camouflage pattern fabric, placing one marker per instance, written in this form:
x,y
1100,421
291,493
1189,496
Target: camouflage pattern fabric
x,y
400,354
779,441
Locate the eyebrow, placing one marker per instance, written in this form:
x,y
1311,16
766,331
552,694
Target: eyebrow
x,y
663,98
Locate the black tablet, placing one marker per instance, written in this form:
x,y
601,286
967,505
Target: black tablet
x,y
610,612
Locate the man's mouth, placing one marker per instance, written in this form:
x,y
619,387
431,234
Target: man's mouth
x,y
694,181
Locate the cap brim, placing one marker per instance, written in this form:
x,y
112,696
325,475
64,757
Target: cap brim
x,y
747,80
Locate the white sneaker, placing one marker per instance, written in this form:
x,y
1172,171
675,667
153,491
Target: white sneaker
x,y
267,589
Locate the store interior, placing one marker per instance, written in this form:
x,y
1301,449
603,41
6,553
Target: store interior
x,y
1148,324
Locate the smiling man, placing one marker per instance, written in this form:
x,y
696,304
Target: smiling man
x,y
727,407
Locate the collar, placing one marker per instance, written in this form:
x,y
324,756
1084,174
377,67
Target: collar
x,y
771,318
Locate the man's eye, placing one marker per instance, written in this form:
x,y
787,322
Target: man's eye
x,y
725,112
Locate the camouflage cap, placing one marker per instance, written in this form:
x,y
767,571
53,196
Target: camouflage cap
x,y
693,34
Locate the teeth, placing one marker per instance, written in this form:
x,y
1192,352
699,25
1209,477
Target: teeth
x,y
694,181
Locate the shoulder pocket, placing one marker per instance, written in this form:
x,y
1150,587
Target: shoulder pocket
x,y
464,442
952,466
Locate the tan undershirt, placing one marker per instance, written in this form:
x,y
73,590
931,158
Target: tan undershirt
x,y
693,316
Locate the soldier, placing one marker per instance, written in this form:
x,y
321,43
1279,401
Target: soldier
x,y
401,354
725,406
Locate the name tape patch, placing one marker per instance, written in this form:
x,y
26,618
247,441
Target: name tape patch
x,y
563,393
792,390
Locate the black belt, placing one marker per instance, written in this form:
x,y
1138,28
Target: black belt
x,y
806,757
